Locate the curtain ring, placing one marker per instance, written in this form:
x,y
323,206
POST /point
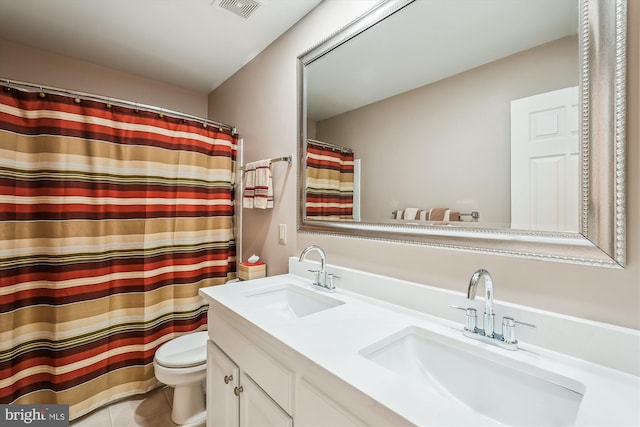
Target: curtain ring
x,y
42,94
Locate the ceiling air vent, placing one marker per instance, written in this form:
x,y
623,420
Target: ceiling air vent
x,y
243,8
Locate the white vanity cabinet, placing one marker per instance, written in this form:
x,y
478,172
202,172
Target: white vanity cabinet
x,y
276,385
305,358
234,399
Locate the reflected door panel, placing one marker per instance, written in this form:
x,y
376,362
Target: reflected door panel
x,y
544,161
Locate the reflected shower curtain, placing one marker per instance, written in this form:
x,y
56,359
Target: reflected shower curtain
x,y
329,182
111,220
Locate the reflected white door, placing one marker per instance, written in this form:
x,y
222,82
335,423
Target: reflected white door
x,y
545,156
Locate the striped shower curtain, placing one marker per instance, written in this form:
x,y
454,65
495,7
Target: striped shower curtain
x,y
329,187
111,220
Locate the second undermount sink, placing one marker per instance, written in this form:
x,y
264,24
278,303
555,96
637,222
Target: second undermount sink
x,y
291,301
497,386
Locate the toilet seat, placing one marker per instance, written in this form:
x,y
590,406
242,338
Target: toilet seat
x,y
183,352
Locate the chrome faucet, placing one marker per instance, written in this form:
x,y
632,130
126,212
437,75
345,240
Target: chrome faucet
x,y
488,298
322,279
487,334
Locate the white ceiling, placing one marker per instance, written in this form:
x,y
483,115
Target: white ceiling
x,y
194,44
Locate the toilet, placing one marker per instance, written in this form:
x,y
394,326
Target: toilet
x,y
182,364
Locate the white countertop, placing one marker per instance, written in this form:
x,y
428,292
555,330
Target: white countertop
x,y
334,337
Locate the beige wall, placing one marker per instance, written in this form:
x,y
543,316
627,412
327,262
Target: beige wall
x,y
447,144
261,100
26,64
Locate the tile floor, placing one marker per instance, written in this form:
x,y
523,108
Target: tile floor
x,y
148,410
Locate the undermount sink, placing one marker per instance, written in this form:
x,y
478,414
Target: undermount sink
x,y
291,301
499,387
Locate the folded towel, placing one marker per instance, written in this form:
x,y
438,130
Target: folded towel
x,y
437,214
443,214
258,185
410,213
249,178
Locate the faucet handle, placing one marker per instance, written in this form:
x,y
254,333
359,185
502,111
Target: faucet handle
x,y
330,277
509,329
530,325
316,276
471,317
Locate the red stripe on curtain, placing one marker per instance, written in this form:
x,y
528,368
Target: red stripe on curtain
x,y
112,220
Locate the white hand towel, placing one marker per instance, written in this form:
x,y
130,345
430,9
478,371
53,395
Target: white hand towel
x,y
258,185
264,185
249,185
410,213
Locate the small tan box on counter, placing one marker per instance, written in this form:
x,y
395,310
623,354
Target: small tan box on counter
x,y
251,270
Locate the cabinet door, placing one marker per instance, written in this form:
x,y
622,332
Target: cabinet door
x,y
316,409
258,409
223,378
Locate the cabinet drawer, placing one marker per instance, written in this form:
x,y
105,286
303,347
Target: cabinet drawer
x,y
270,374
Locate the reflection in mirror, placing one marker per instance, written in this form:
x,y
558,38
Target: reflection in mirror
x,y
442,136
475,116
330,182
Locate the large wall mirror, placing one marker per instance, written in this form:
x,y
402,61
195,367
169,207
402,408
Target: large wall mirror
x,y
494,126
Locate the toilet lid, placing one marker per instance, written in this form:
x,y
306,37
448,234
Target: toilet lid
x,y
184,351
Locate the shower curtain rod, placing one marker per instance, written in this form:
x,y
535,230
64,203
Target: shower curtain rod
x,y
327,144
114,101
